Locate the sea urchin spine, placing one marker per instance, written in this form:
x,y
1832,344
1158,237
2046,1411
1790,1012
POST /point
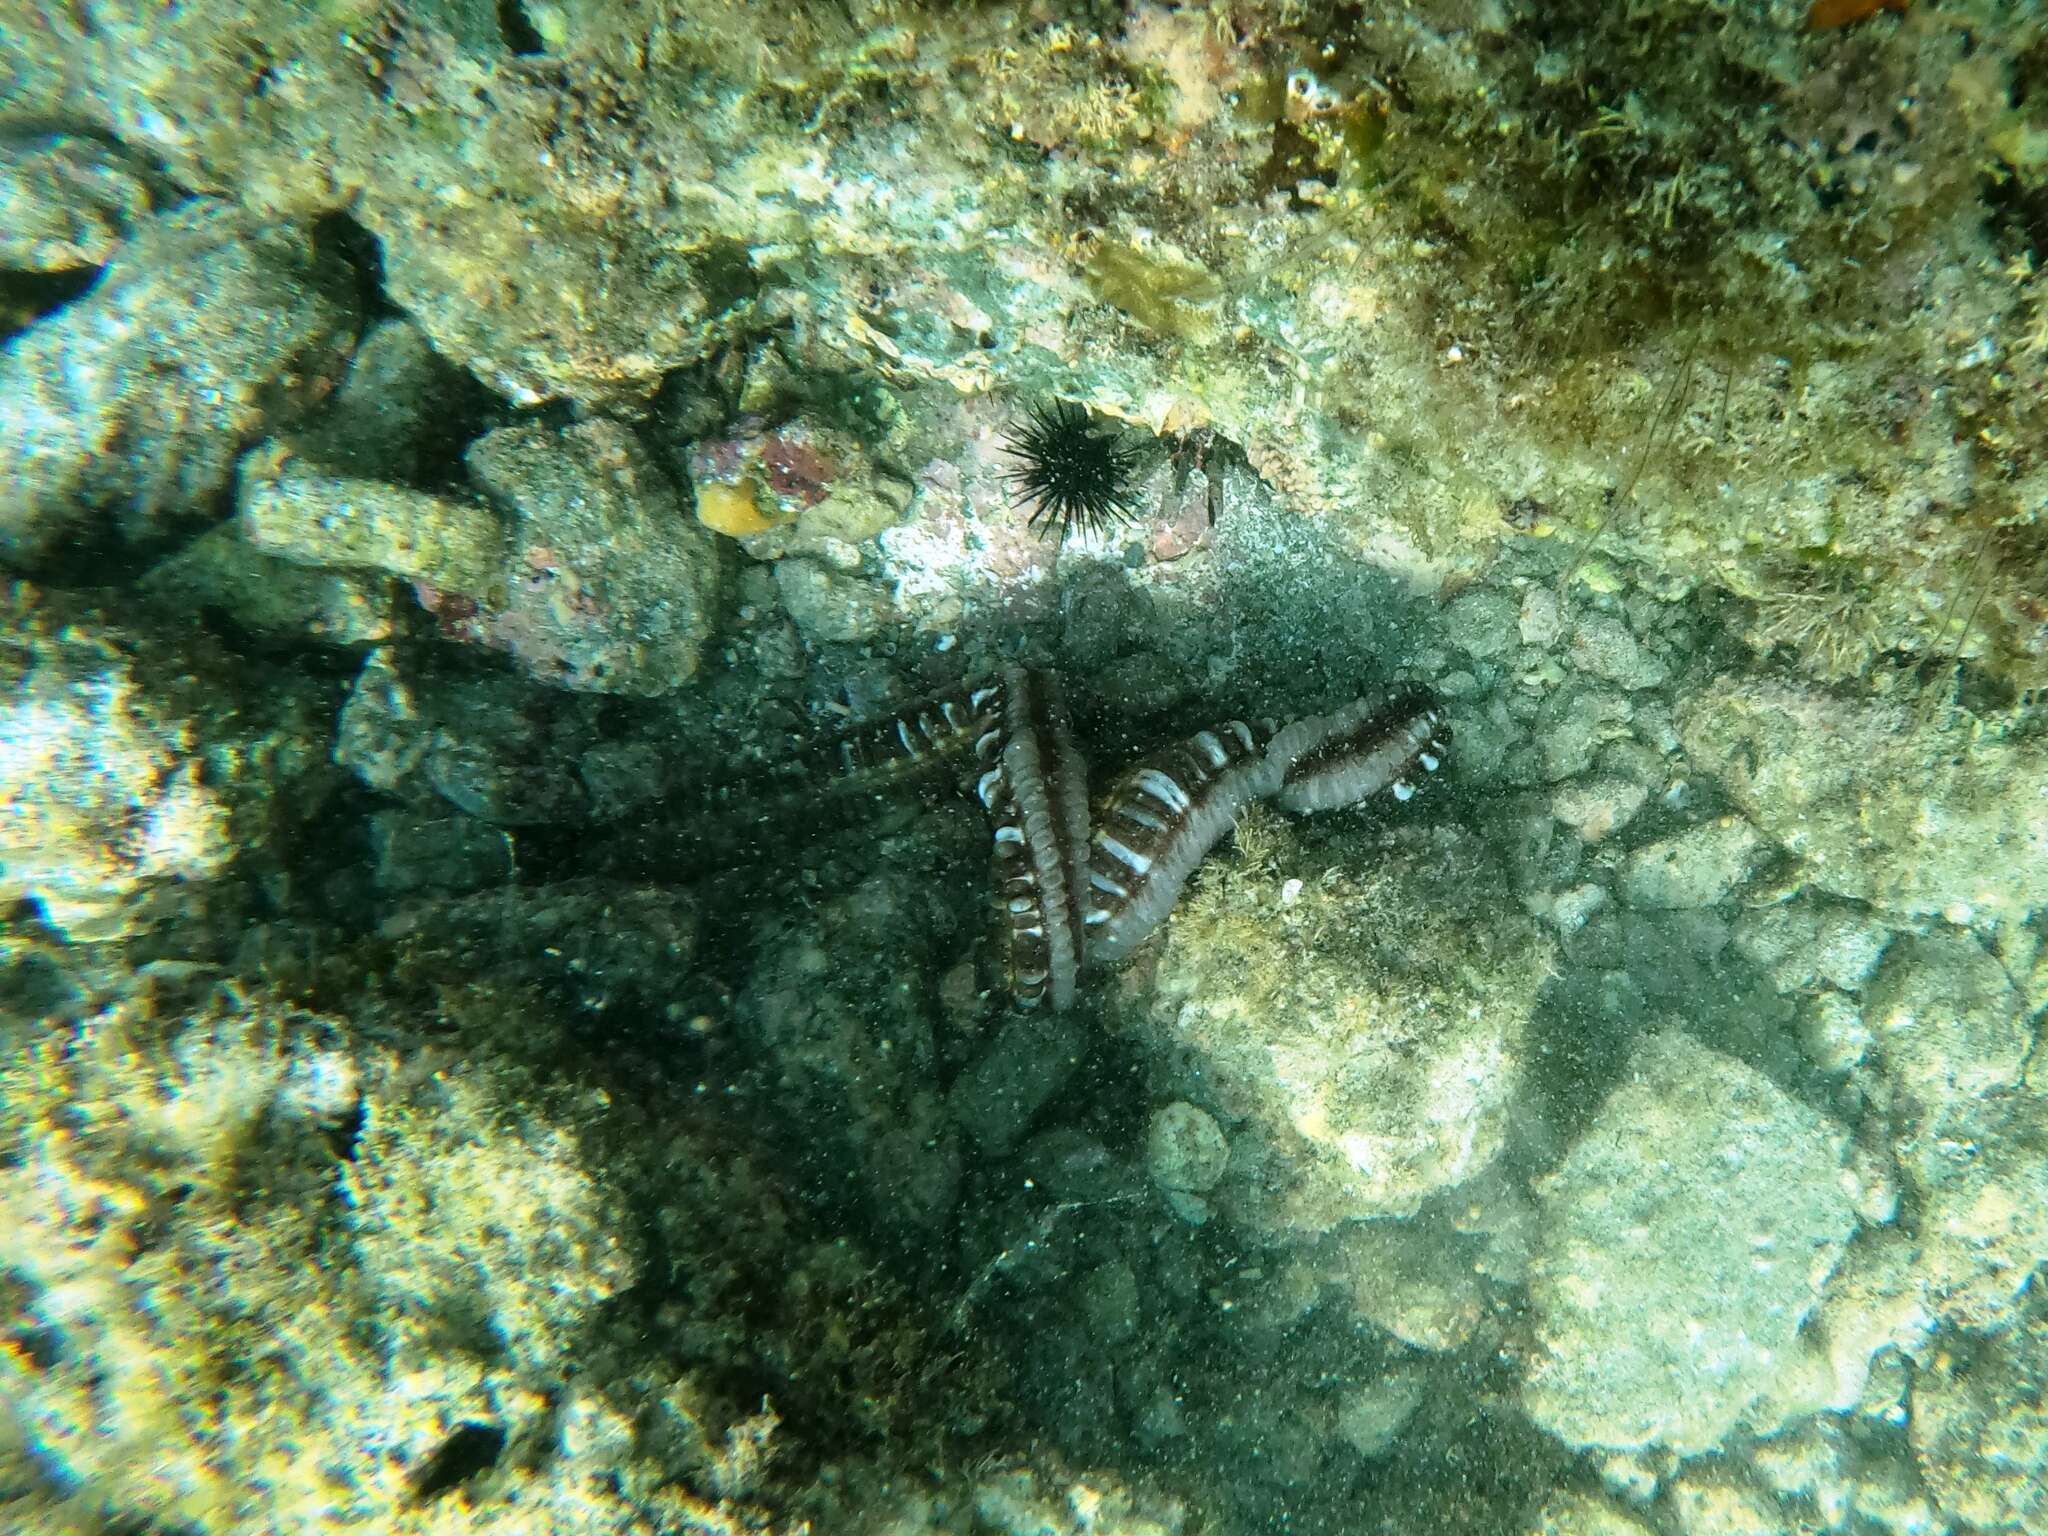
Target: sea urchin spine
x,y
1071,473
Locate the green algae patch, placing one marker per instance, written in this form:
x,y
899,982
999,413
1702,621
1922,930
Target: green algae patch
x,y
1162,289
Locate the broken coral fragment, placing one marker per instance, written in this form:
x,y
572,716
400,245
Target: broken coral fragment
x,y
292,510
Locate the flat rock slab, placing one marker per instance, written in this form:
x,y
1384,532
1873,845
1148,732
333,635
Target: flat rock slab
x,y
1685,1237
1875,808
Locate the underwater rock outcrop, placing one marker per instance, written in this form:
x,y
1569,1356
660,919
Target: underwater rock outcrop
x,y
273,1275
122,414
608,586
1357,1033
1440,272
575,1145
131,774
1980,1431
1875,809
66,202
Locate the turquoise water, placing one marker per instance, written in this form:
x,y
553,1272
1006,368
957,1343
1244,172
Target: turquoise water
x,y
1021,769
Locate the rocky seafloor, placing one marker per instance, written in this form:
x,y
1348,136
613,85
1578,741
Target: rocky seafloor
x,y
466,1065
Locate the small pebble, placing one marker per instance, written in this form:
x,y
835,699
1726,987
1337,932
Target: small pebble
x,y
1697,868
1596,807
1540,621
1186,1148
1570,910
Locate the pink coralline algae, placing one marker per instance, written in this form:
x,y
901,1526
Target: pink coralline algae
x,y
781,471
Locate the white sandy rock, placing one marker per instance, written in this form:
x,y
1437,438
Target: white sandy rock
x,y
1371,1416
126,409
1697,868
1875,809
128,774
1688,1234
1185,1148
1362,1047
1952,1038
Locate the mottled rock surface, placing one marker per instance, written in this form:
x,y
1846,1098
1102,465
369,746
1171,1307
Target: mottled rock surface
x,y
1418,1283
1984,1215
122,414
1717,1501
1697,868
66,202
609,583
449,1225
1543,359
501,749
126,777
1953,1040
1583,1514
219,572
1185,1148
1686,1236
1980,1430
833,1006
291,510
1371,1417
1360,1045
574,206
1874,809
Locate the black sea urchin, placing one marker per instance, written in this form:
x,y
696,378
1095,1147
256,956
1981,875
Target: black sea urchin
x,y
1071,473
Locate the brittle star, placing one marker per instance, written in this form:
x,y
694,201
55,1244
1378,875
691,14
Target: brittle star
x,y
1075,890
